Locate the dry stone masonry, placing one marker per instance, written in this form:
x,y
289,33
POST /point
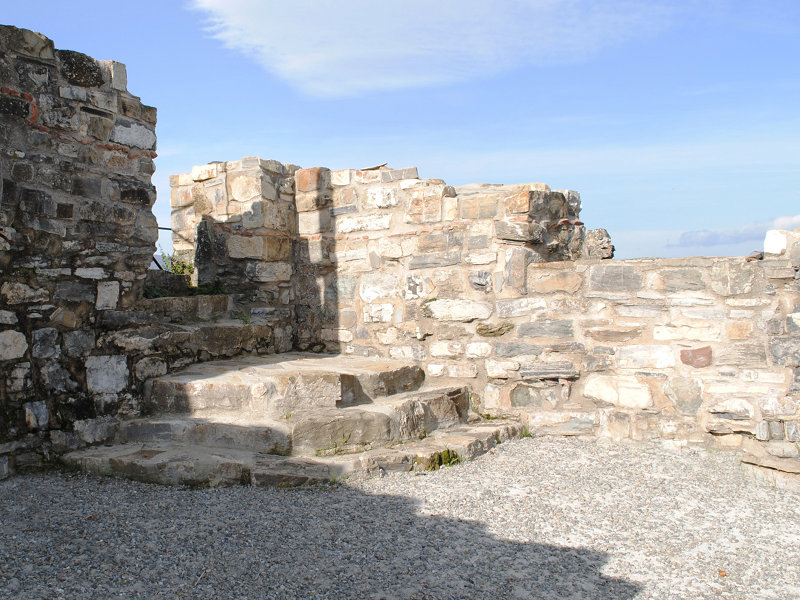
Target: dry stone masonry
x,y
493,299
76,235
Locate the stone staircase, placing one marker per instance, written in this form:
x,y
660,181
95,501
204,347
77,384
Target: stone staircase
x,y
291,419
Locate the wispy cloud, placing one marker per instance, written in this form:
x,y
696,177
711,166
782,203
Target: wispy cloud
x,y
746,233
348,47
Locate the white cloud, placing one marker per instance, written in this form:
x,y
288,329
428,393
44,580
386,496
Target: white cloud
x,y
787,222
348,47
746,233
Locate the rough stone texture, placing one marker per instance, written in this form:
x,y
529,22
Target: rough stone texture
x,y
76,235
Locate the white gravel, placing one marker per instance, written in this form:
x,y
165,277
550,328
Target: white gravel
x,y
538,518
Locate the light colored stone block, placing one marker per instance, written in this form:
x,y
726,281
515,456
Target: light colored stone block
x,y
520,307
12,345
106,374
622,391
378,313
340,177
107,295
133,134
349,224
700,333
266,272
309,223
446,349
7,317
645,356
240,246
478,350
459,310
381,197
378,285
501,369
468,371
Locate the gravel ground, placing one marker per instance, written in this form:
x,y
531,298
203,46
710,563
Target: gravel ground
x,y
537,518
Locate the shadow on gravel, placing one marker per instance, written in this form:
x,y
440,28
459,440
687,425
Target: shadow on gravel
x,y
96,538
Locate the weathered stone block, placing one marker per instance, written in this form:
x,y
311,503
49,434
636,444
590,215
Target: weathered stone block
x,y
501,369
46,343
79,343
785,350
478,349
446,349
19,293
685,393
36,415
519,203
467,371
742,355
12,345
697,357
458,310
381,197
562,369
645,356
519,231
561,328
614,278
240,246
106,374
149,367
309,223
349,224
732,279
622,391
699,333
378,285
74,291
487,330
682,279
265,272
542,282
513,349
378,313
478,207
315,178
519,307
107,295
435,259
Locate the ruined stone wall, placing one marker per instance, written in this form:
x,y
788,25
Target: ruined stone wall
x,y
500,286
76,235
302,239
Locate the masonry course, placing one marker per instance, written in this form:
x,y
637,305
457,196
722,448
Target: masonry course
x,y
496,287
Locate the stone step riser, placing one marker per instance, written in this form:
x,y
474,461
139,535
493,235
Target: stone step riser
x,y
267,440
315,431
323,432
276,395
171,464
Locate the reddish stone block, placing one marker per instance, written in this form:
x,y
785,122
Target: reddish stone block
x,y
315,178
697,357
519,203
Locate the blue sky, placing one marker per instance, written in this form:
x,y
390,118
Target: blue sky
x,y
678,121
